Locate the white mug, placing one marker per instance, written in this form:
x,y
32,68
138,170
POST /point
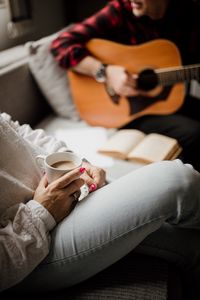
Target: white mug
x,y
58,163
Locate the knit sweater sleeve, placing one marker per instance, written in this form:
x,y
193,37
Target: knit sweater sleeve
x,y
37,137
24,241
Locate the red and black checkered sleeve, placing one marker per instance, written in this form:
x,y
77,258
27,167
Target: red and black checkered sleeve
x,y
69,47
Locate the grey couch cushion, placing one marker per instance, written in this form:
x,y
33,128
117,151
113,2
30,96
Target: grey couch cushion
x,y
51,79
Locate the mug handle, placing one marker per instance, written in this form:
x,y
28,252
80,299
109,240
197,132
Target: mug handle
x,y
40,161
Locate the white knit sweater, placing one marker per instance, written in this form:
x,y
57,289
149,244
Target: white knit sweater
x,y
24,223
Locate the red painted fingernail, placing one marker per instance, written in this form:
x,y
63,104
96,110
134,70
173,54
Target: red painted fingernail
x,y
92,187
82,170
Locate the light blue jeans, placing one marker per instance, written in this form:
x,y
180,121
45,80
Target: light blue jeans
x,y
154,210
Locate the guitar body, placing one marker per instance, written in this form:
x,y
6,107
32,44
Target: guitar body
x,y
95,105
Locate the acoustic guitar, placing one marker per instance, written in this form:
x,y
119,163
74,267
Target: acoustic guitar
x,y
160,74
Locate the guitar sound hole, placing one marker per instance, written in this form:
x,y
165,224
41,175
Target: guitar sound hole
x,y
147,80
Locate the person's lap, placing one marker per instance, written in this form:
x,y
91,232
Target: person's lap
x,y
111,222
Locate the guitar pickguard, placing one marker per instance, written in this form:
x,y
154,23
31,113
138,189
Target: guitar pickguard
x,y
139,103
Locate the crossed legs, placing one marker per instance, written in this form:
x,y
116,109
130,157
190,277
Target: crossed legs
x,y
117,218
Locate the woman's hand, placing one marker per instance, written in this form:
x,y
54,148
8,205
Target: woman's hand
x,y
57,197
94,177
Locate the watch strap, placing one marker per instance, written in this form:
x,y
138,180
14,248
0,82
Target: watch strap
x,y
100,75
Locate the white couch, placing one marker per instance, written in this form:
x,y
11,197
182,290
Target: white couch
x,y
23,97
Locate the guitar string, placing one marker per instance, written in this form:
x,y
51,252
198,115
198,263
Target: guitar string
x,y
178,75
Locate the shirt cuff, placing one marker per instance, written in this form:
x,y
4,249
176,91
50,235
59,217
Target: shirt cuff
x,y
42,213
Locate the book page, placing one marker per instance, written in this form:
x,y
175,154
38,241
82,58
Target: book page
x,y
122,142
176,153
154,147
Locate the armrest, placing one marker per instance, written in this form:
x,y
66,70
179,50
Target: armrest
x,y
19,94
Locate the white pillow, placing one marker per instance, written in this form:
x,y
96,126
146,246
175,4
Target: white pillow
x,y
51,79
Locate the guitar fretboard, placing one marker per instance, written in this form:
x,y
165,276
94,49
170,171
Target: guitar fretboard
x,y
170,76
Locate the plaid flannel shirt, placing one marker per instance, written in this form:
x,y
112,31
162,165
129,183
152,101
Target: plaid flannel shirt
x,y
116,22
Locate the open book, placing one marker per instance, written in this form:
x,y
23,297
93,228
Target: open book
x,y
134,145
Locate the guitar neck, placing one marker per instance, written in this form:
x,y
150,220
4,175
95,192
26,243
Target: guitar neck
x,y
170,76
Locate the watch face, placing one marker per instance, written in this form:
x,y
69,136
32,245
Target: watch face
x,y
100,75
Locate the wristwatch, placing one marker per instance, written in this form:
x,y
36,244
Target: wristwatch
x,y
100,75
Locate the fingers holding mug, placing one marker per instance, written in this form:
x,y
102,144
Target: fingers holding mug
x,y
58,201
73,188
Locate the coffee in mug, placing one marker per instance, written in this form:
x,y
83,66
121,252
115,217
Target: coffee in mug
x,y
58,163
64,165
